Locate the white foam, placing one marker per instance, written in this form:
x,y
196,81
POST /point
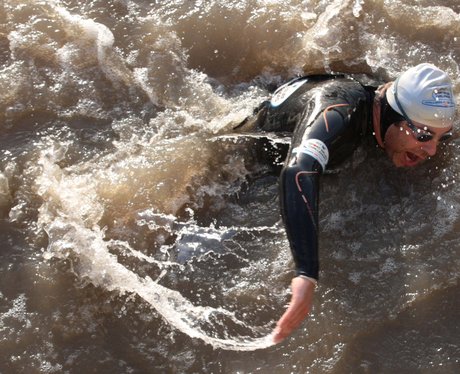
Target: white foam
x,y
5,195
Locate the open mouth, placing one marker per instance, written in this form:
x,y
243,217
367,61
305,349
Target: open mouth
x,y
412,159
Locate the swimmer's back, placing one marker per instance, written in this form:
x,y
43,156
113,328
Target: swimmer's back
x,y
303,99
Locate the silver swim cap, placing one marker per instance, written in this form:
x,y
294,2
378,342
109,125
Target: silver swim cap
x,y
425,94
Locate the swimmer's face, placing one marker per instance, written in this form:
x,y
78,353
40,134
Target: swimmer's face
x,y
403,147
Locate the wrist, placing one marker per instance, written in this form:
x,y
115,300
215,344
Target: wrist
x,y
312,280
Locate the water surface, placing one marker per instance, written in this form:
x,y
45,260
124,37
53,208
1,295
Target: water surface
x,y
140,234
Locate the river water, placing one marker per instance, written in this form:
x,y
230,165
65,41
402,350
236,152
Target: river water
x,y
140,234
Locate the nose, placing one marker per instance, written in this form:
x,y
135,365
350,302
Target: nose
x,y
430,147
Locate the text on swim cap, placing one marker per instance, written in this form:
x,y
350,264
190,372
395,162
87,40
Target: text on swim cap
x,y
441,97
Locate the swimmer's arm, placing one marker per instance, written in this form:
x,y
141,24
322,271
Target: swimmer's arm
x,y
338,129
299,205
299,197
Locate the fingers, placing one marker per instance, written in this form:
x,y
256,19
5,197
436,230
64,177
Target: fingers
x,y
290,320
295,312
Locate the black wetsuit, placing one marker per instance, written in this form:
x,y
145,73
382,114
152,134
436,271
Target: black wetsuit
x,y
328,117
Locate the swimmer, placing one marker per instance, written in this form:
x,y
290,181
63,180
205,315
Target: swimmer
x,y
328,116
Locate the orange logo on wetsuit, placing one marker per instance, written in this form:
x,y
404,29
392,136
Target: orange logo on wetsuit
x,y
328,109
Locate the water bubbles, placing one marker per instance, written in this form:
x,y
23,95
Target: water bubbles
x,y
357,8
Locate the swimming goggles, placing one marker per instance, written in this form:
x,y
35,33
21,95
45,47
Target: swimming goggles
x,y
420,134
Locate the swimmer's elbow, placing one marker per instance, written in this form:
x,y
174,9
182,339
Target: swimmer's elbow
x,y
301,163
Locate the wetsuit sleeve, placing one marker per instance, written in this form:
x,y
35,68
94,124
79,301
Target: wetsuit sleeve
x,y
299,185
299,180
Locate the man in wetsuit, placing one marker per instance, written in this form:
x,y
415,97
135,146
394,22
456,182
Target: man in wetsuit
x,y
328,117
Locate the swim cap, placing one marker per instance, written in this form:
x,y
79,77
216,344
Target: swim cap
x,y
425,94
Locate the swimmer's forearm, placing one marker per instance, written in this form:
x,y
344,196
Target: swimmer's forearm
x,y
299,203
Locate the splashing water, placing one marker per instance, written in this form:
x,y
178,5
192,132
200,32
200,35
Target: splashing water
x,y
70,218
103,269
118,155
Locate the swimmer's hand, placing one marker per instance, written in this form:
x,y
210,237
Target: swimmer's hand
x,y
299,307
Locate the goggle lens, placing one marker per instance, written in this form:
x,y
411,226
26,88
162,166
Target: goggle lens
x,y
425,136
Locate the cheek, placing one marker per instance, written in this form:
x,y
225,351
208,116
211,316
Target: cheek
x,y
397,140
391,142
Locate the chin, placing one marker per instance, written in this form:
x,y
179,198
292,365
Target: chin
x,y
398,164
395,159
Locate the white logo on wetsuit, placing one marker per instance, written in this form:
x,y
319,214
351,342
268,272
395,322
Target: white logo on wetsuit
x,y
316,149
286,90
